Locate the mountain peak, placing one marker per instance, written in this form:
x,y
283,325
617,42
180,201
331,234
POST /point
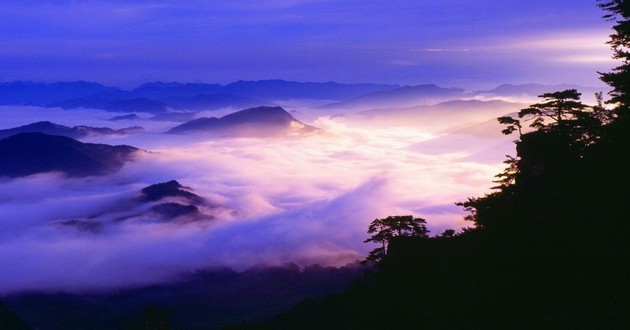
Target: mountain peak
x,y
30,153
170,188
258,121
75,132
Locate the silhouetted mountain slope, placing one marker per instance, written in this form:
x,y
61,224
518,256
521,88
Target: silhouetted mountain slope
x,y
75,132
271,90
154,90
155,96
200,299
176,116
171,188
173,210
19,92
267,90
260,121
131,116
477,282
113,105
458,112
162,202
406,96
448,107
30,153
533,90
10,321
135,105
211,102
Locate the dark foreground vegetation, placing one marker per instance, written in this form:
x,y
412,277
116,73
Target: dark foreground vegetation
x,y
549,248
205,299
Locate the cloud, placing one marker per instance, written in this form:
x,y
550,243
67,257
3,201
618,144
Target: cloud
x,y
307,200
586,46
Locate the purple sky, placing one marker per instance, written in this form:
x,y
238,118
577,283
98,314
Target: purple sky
x,y
464,43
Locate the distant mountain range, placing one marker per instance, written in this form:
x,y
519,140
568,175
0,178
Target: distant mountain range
x,y
25,154
131,116
19,92
442,108
401,97
538,89
266,90
176,116
159,97
76,132
113,105
259,121
211,102
444,114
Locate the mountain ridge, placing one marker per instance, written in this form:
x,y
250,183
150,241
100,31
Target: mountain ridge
x,y
259,121
75,132
25,154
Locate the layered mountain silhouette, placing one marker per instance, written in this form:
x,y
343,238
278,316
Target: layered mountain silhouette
x,y
460,111
533,90
266,90
113,105
24,154
400,97
169,189
160,89
131,116
159,97
211,102
260,121
161,202
76,132
175,116
175,202
192,301
281,89
161,103
20,92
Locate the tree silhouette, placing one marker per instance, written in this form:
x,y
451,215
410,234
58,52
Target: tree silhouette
x,y
448,233
550,245
384,230
562,113
562,129
619,77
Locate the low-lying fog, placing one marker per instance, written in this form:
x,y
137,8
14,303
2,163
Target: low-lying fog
x,y
305,199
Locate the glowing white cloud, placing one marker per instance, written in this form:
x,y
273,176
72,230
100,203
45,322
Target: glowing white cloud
x,y
306,200
578,47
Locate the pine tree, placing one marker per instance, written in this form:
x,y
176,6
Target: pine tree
x,y
384,230
619,77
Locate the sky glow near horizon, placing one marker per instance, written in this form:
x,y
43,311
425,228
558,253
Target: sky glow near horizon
x,y
453,43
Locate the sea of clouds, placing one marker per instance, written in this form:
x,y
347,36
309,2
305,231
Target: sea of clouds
x,y
302,199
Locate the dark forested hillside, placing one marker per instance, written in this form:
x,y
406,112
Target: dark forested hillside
x,y
30,153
